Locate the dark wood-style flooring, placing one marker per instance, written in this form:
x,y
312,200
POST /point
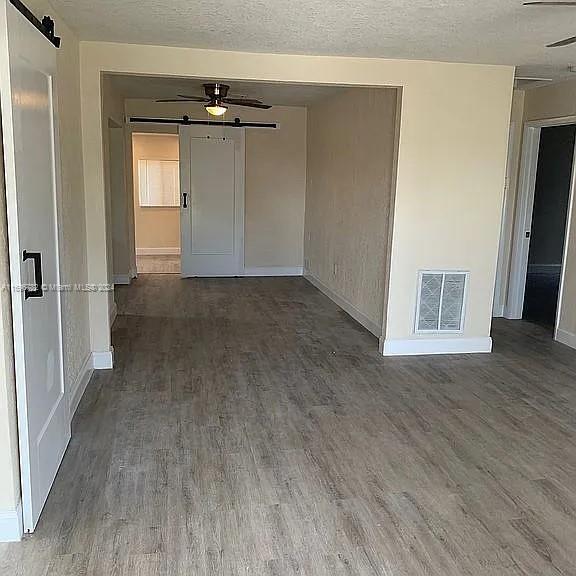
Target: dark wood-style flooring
x,y
251,428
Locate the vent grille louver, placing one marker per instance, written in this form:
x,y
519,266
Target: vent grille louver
x,y
440,304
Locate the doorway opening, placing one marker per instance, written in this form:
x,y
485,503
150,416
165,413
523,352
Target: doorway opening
x,y
156,177
272,193
548,230
543,215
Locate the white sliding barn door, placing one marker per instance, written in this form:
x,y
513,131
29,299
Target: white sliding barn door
x,y
31,160
212,200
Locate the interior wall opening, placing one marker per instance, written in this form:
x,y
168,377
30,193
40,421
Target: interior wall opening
x,y
156,198
541,277
318,186
548,229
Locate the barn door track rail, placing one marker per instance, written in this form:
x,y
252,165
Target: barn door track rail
x,y
186,121
45,26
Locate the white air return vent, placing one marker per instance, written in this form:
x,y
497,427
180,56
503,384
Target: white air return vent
x,y
440,306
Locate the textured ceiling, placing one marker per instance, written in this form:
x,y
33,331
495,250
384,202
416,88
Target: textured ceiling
x,y
276,94
491,31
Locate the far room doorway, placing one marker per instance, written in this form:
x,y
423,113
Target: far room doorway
x,y
544,210
549,216
156,176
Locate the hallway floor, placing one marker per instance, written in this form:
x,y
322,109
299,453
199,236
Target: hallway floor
x,y
541,298
250,427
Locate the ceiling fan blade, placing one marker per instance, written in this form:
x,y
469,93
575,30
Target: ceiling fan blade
x,y
246,102
566,42
237,99
549,3
184,99
195,98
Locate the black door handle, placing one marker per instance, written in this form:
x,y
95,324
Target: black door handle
x,y
38,292
184,200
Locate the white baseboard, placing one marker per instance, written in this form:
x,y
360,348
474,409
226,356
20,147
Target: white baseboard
x,y
274,271
103,360
11,527
349,308
122,278
80,384
509,314
422,347
157,251
498,311
565,337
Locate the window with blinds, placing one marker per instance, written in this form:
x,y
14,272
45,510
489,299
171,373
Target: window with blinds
x,y
159,183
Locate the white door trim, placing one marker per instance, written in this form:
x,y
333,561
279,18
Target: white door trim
x,y
558,333
523,220
507,216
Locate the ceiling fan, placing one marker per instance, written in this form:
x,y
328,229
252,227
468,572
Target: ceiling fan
x,y
567,41
216,98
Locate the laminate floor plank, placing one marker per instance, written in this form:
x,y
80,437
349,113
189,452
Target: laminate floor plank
x,y
250,427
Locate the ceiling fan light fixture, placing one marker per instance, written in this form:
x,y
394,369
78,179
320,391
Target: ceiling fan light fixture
x,y
216,100
216,109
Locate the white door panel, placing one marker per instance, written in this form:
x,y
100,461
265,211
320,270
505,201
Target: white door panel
x,y
212,195
27,69
212,217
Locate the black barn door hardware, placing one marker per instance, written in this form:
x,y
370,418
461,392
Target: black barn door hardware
x,y
38,292
45,27
185,200
185,121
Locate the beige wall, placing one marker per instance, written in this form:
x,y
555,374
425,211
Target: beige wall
x,y
351,142
449,195
275,184
275,189
554,101
154,227
117,173
558,101
451,160
567,320
73,257
120,205
116,193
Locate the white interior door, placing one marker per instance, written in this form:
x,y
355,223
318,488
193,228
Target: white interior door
x,y
27,72
212,200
